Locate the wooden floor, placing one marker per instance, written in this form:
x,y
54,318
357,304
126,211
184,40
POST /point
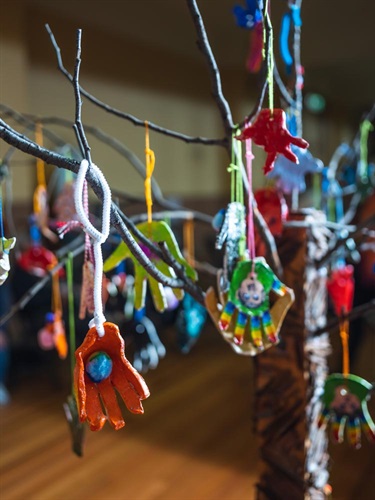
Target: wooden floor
x,y
195,441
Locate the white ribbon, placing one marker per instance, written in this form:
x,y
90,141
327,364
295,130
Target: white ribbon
x,y
97,236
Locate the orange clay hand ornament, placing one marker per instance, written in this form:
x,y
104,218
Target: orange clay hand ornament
x,y
101,367
269,130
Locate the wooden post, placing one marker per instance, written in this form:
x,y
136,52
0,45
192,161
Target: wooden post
x,y
290,376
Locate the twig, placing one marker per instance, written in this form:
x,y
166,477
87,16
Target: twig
x,y
361,229
283,90
257,107
78,127
355,313
127,116
182,214
205,48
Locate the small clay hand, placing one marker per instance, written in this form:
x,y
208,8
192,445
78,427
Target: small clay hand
x,y
156,231
291,176
269,130
101,367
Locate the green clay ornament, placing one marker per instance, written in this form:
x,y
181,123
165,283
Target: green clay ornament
x,y
345,405
156,231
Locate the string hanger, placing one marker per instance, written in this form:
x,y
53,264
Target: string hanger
x,y
150,165
98,237
268,54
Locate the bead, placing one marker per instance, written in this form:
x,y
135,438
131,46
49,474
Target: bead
x,y
99,366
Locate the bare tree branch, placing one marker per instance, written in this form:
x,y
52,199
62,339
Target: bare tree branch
x,y
127,116
24,144
204,46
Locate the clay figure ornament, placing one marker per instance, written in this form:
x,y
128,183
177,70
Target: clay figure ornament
x,y
156,231
101,367
345,406
5,248
245,318
269,130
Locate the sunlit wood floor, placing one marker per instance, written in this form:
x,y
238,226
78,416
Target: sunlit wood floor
x,y
195,441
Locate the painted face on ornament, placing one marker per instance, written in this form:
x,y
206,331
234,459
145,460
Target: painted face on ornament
x,y
345,403
251,292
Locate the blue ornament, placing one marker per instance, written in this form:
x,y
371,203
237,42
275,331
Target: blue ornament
x,y
190,322
218,219
290,175
247,17
99,366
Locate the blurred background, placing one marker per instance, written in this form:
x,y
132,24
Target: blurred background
x,y
195,440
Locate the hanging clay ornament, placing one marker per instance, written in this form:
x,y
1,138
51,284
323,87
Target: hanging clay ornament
x,y
148,347
291,176
272,205
63,207
101,367
190,321
246,320
52,335
6,246
340,287
269,130
157,232
345,405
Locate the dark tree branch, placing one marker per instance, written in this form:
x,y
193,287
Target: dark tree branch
x,y
29,122
127,116
204,46
24,144
355,313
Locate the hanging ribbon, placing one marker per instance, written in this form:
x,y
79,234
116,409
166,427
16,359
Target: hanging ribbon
x,y
188,233
98,237
366,128
250,214
40,205
150,165
72,327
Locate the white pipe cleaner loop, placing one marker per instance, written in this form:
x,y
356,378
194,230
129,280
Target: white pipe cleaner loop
x,y
97,236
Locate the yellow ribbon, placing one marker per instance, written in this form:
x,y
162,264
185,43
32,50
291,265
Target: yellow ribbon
x,y
188,232
41,188
150,165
